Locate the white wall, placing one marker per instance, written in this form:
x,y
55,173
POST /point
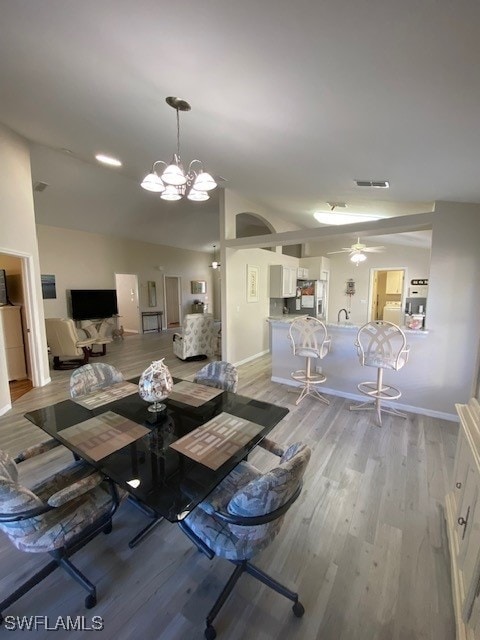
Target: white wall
x,y
81,260
18,237
246,326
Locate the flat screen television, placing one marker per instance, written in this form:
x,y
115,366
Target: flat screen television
x,y
89,304
3,288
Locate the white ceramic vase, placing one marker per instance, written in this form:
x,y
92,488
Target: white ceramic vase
x,y
155,384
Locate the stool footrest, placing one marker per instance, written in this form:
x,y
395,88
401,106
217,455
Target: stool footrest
x,y
313,378
385,392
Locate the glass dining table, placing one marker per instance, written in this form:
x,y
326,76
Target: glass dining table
x,y
168,482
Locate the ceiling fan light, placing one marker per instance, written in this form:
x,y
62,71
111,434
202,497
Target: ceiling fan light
x,y
198,196
204,182
358,257
171,193
174,173
154,183
215,264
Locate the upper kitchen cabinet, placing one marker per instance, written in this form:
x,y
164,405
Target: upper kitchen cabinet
x,y
302,273
318,268
394,282
283,281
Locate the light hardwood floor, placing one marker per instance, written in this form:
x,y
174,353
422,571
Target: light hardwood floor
x,y
365,544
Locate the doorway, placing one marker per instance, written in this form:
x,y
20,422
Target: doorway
x,y
126,285
16,335
387,294
173,297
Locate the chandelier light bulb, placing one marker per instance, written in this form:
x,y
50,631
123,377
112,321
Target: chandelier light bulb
x,y
204,182
152,182
197,196
171,193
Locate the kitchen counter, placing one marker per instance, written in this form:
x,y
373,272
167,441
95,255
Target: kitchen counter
x,y
348,326
343,369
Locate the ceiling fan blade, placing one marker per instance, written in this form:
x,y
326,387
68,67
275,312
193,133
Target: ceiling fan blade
x,y
375,249
329,253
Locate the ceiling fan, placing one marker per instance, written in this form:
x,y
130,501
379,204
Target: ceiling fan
x,y
357,251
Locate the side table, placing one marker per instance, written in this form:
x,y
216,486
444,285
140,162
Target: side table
x,y
152,314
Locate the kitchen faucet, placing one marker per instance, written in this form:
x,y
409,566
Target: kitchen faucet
x,y
347,315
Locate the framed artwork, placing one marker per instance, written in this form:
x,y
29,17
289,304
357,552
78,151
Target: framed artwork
x,y
252,283
49,290
198,286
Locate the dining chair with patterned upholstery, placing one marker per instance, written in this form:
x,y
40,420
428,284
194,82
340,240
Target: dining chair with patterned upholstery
x,y
93,377
58,515
243,515
218,374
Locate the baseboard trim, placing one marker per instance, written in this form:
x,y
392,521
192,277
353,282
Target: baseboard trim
x,y
4,409
451,417
250,358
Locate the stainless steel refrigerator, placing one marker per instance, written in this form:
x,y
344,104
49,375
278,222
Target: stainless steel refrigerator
x,y
310,299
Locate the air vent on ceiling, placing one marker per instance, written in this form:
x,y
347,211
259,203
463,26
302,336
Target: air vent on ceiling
x,y
39,186
378,184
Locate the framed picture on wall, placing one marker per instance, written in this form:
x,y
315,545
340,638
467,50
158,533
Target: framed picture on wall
x,y
48,287
252,283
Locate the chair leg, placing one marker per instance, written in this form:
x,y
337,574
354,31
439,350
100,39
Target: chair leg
x,y
378,392
271,582
310,382
77,575
227,589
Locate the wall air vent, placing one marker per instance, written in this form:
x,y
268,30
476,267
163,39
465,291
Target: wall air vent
x,y
377,184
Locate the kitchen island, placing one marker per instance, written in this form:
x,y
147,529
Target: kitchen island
x,y
342,367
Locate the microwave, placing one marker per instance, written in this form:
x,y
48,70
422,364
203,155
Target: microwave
x,y
419,291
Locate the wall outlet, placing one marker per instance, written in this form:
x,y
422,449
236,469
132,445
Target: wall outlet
x,y
318,368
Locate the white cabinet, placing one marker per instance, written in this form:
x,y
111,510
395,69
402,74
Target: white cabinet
x,y
462,513
283,281
302,273
394,282
13,336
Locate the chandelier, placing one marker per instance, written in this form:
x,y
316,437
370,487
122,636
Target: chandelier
x,y
174,183
215,264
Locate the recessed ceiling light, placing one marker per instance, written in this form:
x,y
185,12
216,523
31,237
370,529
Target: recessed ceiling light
x,y
337,218
113,162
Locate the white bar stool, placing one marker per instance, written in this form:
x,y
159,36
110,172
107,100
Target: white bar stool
x,y
383,345
309,339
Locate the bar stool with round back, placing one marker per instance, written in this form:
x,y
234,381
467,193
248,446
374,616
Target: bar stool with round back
x,y
383,345
309,339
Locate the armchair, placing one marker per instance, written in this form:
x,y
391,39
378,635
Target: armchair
x,y
58,515
243,515
197,337
64,342
98,335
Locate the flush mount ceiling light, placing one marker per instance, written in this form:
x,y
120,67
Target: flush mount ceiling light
x,y
174,183
337,218
113,162
215,264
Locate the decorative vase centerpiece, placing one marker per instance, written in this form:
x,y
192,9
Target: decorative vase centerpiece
x,y
155,384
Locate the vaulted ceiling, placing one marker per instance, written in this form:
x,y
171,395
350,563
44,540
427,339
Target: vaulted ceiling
x,y
291,102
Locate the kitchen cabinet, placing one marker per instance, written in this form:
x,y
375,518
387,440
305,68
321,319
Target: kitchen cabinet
x,y
462,513
13,337
302,273
283,281
394,282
